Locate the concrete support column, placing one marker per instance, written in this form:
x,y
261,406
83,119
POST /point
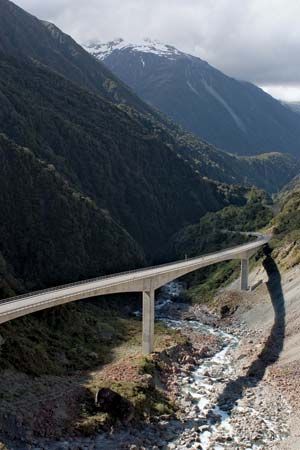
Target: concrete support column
x,y
244,274
148,321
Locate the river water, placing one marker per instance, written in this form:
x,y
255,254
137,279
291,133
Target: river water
x,y
199,385
201,388
254,422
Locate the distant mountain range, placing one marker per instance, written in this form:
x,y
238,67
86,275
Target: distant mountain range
x,y
89,170
70,152
234,115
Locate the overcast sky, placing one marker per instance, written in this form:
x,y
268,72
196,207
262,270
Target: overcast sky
x,y
254,40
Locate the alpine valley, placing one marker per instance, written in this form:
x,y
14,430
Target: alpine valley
x,y
115,157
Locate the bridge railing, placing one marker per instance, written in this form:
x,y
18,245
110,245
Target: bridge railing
x,y
133,271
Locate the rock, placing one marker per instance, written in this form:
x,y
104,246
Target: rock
x,y
189,359
148,379
203,428
111,402
204,351
224,311
188,397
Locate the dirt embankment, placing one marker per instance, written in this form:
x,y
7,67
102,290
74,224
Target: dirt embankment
x,y
271,314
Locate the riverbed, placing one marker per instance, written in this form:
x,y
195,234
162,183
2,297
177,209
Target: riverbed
x,y
219,407
228,421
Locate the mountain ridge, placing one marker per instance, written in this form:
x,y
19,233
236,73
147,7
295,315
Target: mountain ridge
x,y
137,170
44,42
103,152
294,106
234,115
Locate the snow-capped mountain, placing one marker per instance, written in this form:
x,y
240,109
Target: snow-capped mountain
x,y
102,51
234,115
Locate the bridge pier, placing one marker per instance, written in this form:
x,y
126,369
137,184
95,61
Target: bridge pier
x,y
244,274
148,321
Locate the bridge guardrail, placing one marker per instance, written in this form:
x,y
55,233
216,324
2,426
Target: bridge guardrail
x,y
104,277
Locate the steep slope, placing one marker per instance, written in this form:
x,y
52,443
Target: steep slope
x,y
294,106
214,232
233,115
121,158
103,152
286,224
268,171
49,233
22,34
293,185
209,234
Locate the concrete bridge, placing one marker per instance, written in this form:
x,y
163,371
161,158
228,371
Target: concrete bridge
x,y
142,280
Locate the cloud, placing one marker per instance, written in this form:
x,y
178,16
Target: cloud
x,y
286,93
255,40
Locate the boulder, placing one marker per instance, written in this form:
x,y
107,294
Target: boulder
x,y
110,402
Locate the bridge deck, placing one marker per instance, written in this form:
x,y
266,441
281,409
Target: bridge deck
x,y
132,281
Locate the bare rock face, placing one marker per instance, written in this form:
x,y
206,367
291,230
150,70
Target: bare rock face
x,y
111,402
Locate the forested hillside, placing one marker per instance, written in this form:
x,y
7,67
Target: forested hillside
x,y
268,171
144,175
94,181
50,233
217,231
286,226
106,154
23,35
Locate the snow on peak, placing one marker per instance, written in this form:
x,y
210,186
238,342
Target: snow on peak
x,y
101,51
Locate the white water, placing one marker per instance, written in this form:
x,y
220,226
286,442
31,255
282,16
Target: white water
x,y
206,382
202,387
209,371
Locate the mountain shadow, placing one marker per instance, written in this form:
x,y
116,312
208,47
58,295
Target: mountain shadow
x,y
273,346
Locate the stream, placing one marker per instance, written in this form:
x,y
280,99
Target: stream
x,y
199,386
255,419
199,393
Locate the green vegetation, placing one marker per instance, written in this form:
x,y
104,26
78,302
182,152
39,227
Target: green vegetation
x,y
145,393
67,339
286,226
68,353
203,288
103,184
53,234
146,400
268,171
92,182
215,232
24,36
103,153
